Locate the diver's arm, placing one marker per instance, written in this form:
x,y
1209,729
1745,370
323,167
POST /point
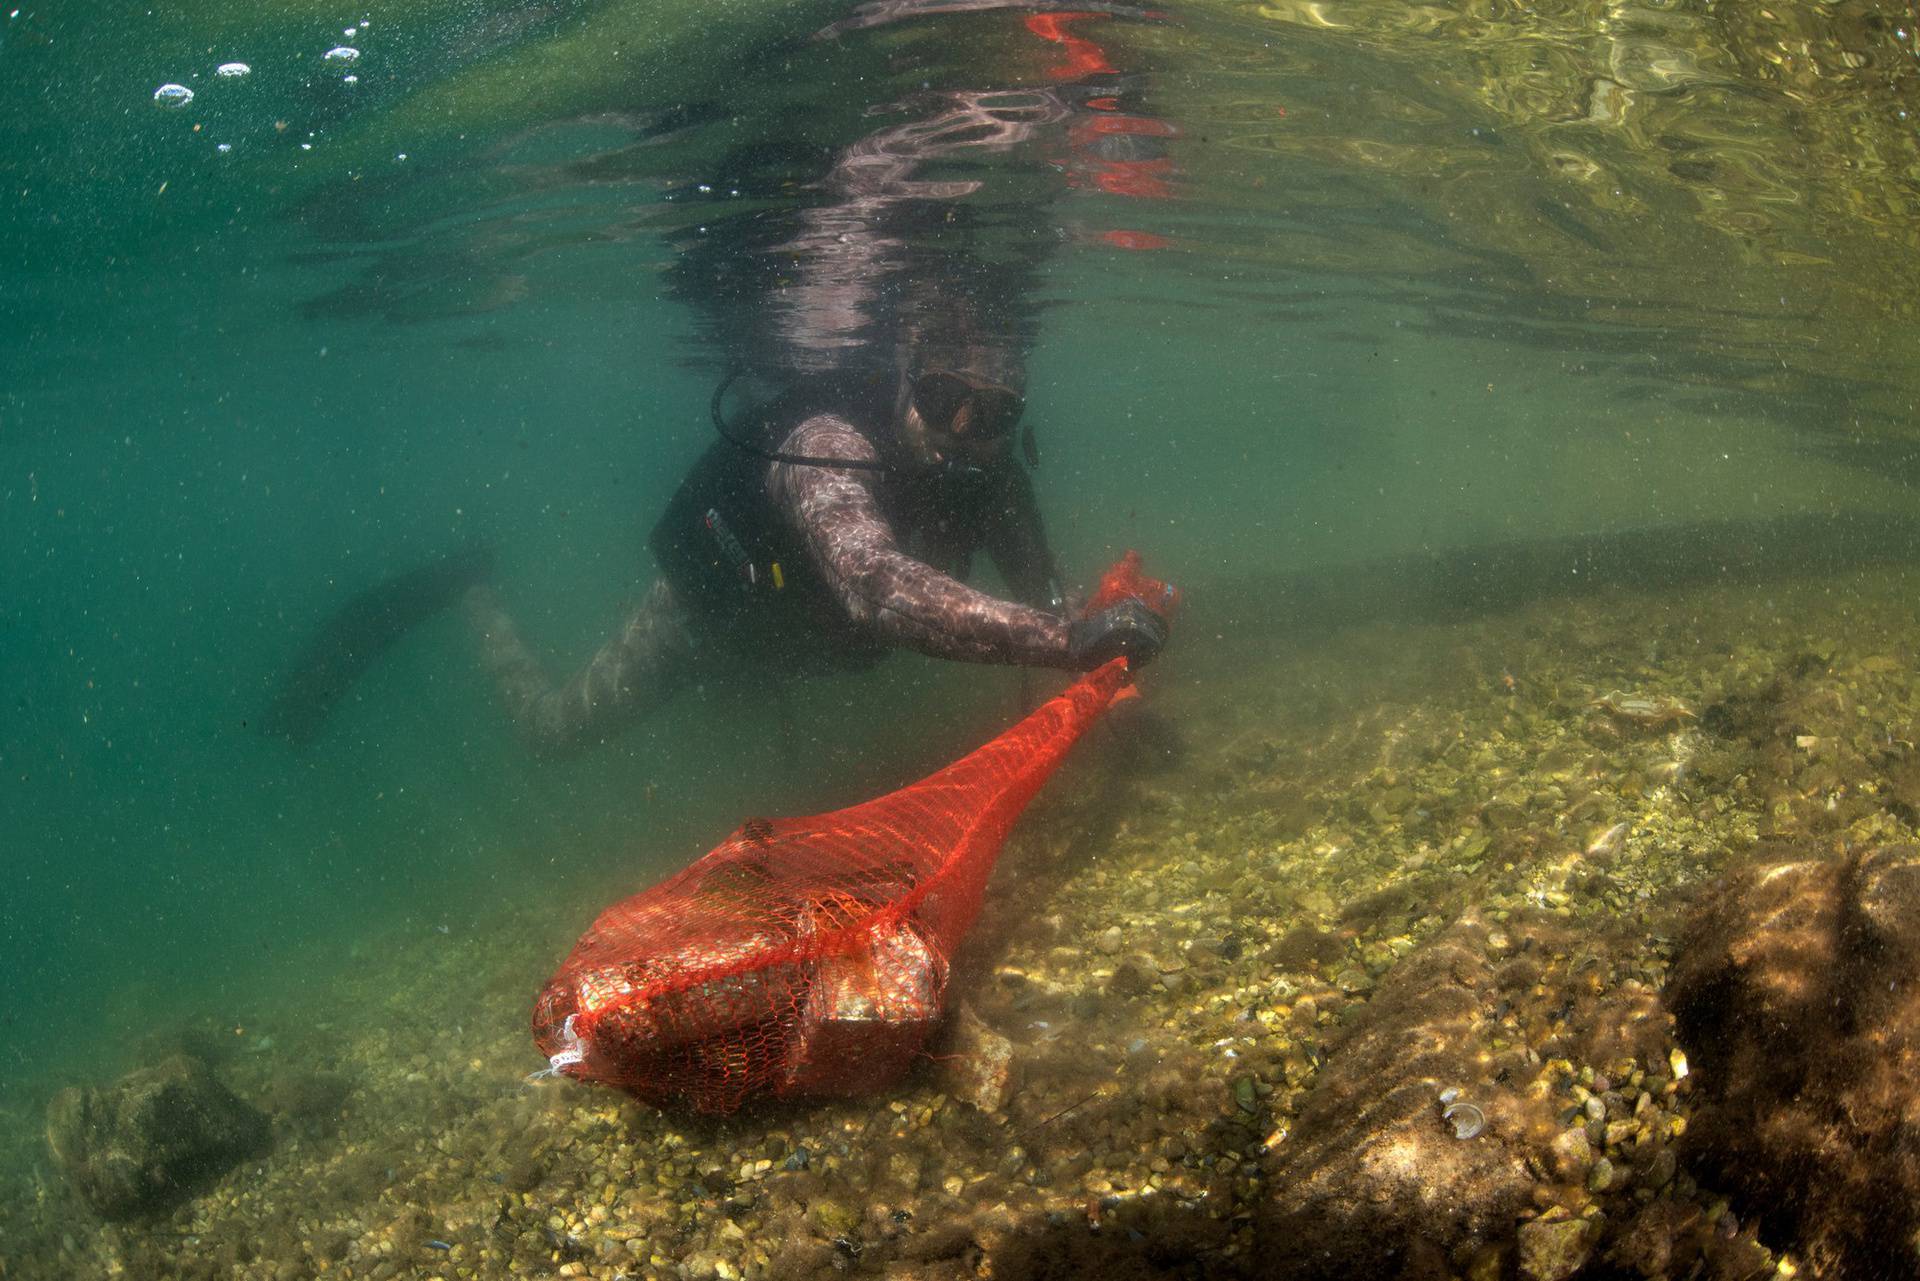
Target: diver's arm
x,y
879,585
1017,541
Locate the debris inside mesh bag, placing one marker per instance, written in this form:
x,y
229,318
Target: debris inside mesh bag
x,y
803,957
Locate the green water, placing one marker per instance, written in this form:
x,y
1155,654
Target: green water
x,y
1394,282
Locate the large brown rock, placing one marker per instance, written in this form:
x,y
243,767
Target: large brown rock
x,y
1796,993
1374,1181
153,1138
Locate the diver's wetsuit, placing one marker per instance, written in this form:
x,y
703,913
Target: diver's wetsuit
x,y
858,576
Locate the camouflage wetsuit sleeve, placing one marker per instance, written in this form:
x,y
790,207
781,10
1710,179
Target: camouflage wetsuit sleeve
x,y
880,586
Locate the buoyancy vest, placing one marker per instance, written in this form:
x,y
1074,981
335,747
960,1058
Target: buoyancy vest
x,y
745,572
748,576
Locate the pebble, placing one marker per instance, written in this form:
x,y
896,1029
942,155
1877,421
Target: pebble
x,y
1553,1249
1571,1155
1660,1169
1112,941
1134,976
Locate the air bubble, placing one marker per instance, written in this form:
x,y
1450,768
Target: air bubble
x,y
232,70
342,54
349,80
224,148
172,96
351,32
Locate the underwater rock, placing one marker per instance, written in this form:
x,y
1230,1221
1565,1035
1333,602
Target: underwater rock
x,y
1570,1155
1796,993
1134,976
305,1103
1373,1180
1304,947
154,1137
978,1064
1553,1249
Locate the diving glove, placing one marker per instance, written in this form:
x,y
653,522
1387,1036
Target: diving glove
x,y
1126,628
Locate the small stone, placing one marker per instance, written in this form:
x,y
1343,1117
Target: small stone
x,y
1112,941
978,1064
1602,1176
1552,1250
832,1218
1660,1169
1134,976
1570,1155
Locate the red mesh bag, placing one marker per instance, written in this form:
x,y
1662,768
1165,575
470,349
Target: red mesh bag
x,y
1126,579
803,956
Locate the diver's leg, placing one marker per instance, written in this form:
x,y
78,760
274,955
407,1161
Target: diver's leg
x,y
631,674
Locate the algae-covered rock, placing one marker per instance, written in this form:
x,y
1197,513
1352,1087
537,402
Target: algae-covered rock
x,y
1374,1180
154,1137
1553,1250
833,1218
1796,993
978,1065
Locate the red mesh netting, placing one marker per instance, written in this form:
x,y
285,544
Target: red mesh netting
x,y
804,956
1126,579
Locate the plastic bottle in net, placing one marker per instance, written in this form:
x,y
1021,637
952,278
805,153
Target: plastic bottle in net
x,y
803,956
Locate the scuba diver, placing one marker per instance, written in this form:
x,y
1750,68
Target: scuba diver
x,y
835,525
837,518
846,535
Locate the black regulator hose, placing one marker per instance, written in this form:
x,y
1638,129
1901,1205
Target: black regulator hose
x,y
775,455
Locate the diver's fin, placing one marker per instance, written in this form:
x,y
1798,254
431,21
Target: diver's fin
x,y
358,632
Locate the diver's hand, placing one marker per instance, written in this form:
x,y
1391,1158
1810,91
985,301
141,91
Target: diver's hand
x,y
1125,628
